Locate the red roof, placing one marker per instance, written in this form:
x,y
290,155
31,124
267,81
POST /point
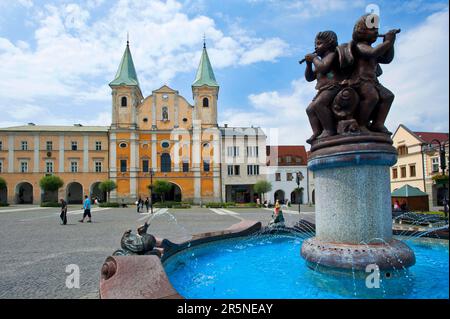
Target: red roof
x,y
281,154
427,137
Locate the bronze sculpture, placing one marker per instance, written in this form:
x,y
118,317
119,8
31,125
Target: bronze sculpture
x,y
137,244
350,99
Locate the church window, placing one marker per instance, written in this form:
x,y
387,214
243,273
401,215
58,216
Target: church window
x,y
205,102
123,145
165,144
123,101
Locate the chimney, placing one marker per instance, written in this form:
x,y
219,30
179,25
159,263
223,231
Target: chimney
x,y
226,125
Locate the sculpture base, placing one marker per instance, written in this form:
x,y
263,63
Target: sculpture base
x,y
394,255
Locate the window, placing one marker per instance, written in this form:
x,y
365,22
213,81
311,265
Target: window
x,y
74,167
49,167
252,151
237,170
394,173
412,170
145,165
165,114
288,159
402,150
233,170
206,165
98,167
98,146
123,101
233,151
123,166
185,167
49,146
403,171
205,102
24,145
289,177
165,162
1,166
24,167
165,144
230,170
278,177
1,145
123,145
435,164
298,160
252,169
74,145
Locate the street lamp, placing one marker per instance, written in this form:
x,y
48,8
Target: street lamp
x,y
443,166
152,172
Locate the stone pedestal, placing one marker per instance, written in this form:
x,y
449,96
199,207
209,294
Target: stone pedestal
x,y
353,206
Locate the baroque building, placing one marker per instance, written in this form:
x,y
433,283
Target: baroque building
x,y
159,137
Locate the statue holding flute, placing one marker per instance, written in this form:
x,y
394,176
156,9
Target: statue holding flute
x,y
350,99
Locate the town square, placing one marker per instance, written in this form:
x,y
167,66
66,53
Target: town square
x,y
177,150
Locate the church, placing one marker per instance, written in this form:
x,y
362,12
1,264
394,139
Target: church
x,y
158,137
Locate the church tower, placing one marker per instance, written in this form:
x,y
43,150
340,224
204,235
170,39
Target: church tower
x,y
126,93
205,92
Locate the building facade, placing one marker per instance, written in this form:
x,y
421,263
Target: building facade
x,y
283,164
158,137
417,163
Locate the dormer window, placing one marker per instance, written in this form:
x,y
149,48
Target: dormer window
x,y
205,102
123,101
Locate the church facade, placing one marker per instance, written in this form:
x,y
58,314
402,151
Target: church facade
x,y
159,137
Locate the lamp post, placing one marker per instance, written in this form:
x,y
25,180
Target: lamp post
x,y
443,167
152,172
298,179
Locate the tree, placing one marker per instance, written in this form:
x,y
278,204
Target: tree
x,y
262,187
51,183
107,187
2,183
161,187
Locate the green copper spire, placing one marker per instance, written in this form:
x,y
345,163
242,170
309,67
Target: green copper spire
x,y
126,74
205,74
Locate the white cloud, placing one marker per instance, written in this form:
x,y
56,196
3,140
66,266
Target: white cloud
x,y
75,56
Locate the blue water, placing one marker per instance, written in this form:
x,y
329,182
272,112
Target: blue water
x,y
271,267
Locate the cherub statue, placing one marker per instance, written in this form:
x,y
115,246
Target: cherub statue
x,y
375,99
327,73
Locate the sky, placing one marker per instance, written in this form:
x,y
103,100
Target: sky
x,y
57,58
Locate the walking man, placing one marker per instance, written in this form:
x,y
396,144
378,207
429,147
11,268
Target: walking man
x,y
87,209
63,214
147,203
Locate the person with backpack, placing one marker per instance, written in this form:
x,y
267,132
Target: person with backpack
x,y
87,210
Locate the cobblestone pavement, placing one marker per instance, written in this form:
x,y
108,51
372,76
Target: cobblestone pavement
x,y
35,249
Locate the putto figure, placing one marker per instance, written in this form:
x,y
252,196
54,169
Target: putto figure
x,y
326,72
350,99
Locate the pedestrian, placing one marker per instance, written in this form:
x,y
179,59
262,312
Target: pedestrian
x,y
147,203
63,214
138,204
396,206
87,210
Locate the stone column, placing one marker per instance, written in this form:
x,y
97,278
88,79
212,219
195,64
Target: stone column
x,y
353,209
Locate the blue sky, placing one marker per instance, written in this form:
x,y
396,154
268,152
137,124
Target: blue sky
x,y
57,57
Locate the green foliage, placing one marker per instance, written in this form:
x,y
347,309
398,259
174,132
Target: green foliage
x,y
214,205
4,204
50,204
171,204
107,186
438,178
51,183
2,183
262,187
161,187
109,204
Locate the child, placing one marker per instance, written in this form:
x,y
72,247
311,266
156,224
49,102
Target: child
x,y
327,73
364,77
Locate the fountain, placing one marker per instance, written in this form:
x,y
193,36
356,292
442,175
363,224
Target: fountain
x,y
353,234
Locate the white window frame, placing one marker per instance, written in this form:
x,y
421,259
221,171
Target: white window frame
x,y
97,165
72,166
47,143
435,161
49,167
72,144
1,166
24,145
1,145
23,164
98,145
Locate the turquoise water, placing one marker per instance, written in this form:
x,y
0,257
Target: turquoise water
x,y
271,267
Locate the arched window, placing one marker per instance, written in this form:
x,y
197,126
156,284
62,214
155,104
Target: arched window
x,y
205,102
123,101
165,162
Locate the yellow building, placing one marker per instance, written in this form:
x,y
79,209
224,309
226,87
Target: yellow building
x,y
161,133
165,134
417,163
